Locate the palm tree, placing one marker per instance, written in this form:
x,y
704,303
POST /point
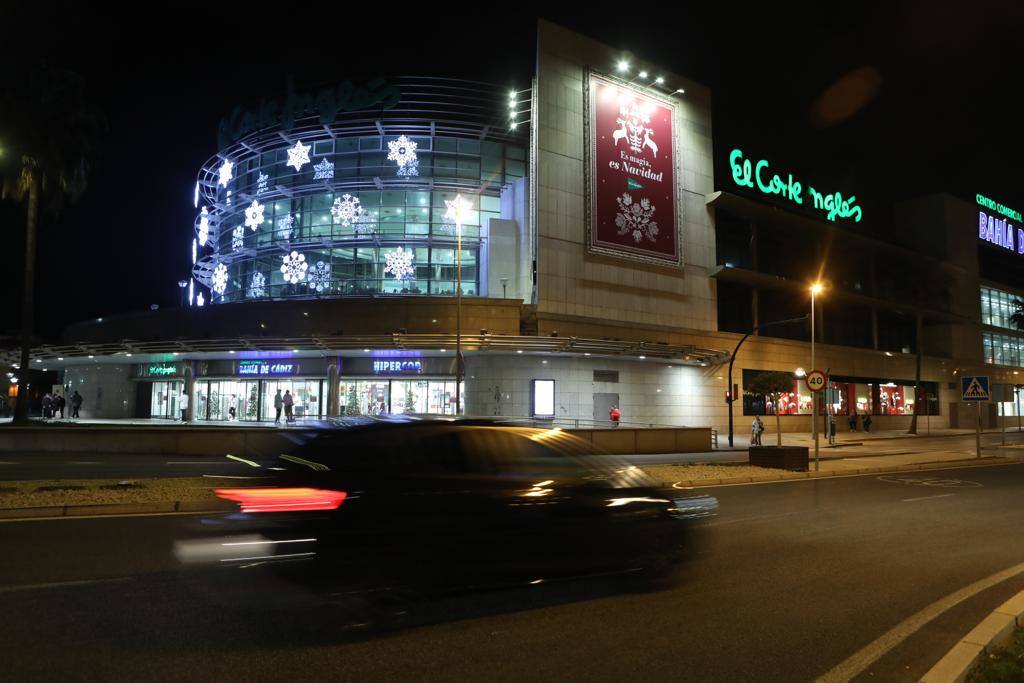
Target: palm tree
x,y
49,140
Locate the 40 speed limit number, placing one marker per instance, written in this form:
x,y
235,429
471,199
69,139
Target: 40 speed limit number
x,y
815,380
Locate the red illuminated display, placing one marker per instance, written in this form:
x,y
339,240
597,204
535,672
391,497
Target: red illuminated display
x,y
632,173
283,499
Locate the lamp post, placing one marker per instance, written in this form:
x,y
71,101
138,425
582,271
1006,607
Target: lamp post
x,y
732,360
182,284
816,289
457,212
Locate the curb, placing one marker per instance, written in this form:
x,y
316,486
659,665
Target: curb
x,y
994,630
169,507
795,476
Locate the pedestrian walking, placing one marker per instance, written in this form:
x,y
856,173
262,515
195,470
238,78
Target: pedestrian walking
x,y
60,405
756,430
47,406
183,405
278,404
615,415
867,422
853,421
289,403
76,403
831,428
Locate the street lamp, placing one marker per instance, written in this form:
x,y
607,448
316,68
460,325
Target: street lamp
x,y
816,289
457,213
182,284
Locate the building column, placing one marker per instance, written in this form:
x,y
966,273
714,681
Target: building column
x,y
332,389
190,382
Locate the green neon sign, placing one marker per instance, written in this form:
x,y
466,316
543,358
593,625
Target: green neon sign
x,y
163,370
833,205
998,208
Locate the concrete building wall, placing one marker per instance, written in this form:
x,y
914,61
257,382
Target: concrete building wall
x,y
107,390
573,282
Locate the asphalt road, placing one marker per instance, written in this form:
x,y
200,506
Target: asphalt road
x,y
103,466
793,578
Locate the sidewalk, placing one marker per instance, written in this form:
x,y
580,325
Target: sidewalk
x,y
691,475
848,438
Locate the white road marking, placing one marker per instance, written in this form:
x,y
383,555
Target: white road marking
x,y
62,584
197,462
941,495
854,665
8,462
83,462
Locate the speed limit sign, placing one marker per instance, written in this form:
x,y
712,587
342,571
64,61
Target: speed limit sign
x,y
815,380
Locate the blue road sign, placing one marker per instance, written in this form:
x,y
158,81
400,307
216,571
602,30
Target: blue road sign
x,y
975,388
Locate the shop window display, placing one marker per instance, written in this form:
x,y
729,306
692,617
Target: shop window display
x,y
867,396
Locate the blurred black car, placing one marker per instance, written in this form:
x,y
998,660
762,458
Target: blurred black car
x,y
444,505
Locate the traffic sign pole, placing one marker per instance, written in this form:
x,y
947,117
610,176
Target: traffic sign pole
x,y
815,381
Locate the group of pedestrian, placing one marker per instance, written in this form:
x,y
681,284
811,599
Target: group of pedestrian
x,y
288,403
53,404
756,430
866,420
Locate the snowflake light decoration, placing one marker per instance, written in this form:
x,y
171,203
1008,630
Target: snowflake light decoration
x,y
346,209
298,156
254,215
204,227
399,264
285,227
636,218
410,169
320,276
229,198
294,267
402,151
237,238
226,172
324,170
220,278
365,224
257,286
261,183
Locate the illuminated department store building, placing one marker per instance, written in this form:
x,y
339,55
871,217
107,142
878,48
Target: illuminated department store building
x,y
612,253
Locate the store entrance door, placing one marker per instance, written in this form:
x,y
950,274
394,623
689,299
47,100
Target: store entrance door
x,y
602,406
164,400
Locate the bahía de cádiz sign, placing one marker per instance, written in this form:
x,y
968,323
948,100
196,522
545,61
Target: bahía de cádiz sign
x,y
759,174
631,173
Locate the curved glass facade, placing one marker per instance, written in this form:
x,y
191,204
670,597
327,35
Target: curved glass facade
x,y
363,216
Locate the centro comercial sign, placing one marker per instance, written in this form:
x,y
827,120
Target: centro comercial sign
x,y
998,229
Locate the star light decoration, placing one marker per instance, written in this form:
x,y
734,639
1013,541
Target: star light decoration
x,y
324,170
285,227
204,227
294,267
237,238
346,209
261,183
399,264
319,277
457,212
298,156
226,172
257,286
220,278
402,151
254,215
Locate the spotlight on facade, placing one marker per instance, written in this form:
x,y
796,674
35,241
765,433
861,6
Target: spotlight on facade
x,y
659,80
680,91
800,372
622,66
642,74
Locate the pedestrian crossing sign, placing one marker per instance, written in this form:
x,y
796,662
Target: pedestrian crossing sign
x,y
975,388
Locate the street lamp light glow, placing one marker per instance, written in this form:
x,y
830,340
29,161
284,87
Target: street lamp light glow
x,y
817,288
659,80
623,65
642,74
457,211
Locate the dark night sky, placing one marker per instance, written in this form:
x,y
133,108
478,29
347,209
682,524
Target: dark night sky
x,y
944,117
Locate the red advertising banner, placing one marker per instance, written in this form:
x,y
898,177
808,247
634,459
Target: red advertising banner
x,y
632,181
